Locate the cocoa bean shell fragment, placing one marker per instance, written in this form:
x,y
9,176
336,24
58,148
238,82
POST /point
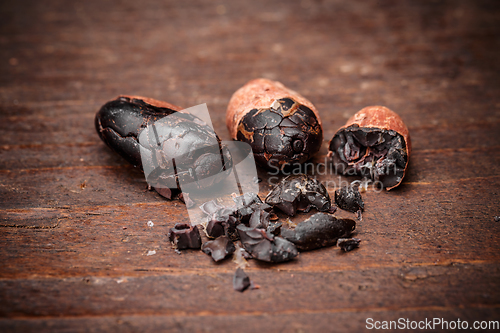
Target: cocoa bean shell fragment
x,y
184,236
281,126
348,198
373,143
219,248
320,230
265,246
299,193
348,244
241,281
224,220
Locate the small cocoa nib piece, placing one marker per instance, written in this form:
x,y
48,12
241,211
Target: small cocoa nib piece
x,y
299,193
348,198
320,230
185,236
281,126
219,248
373,143
241,281
348,244
265,246
246,205
259,219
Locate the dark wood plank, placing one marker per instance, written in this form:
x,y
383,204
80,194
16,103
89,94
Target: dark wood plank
x,y
325,321
282,292
398,228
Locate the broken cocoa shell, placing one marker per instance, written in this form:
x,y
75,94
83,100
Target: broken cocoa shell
x,y
265,246
259,219
348,198
299,193
374,143
281,126
185,236
241,281
320,230
219,248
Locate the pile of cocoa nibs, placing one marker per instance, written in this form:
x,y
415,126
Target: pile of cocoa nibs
x,y
250,228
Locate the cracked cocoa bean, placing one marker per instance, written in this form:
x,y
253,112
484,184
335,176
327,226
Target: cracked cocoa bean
x,y
281,126
374,143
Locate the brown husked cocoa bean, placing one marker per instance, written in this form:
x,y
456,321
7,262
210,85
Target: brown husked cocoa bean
x,y
374,143
281,126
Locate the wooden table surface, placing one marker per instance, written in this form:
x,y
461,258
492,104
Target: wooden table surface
x,y
73,215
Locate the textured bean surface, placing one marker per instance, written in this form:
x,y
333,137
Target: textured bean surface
x,y
280,125
277,139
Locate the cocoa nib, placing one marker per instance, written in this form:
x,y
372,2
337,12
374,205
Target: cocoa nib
x,y
374,143
299,193
219,248
241,281
223,220
246,204
259,219
319,230
185,236
348,244
348,198
265,246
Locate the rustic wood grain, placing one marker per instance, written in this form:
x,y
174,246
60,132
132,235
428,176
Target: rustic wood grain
x,y
73,215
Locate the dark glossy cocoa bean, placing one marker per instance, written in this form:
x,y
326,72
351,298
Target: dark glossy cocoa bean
x,y
319,230
181,147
